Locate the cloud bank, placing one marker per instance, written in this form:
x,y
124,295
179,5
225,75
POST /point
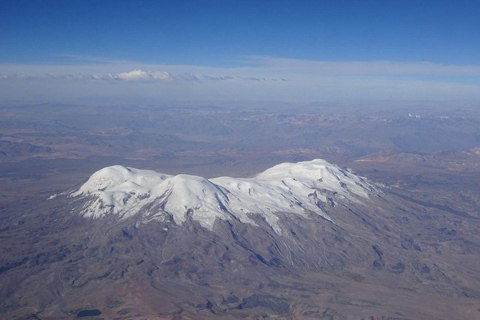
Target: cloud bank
x,y
258,78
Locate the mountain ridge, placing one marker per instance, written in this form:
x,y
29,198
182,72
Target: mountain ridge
x,y
291,188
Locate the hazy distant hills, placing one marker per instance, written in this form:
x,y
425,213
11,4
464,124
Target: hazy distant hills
x,y
224,134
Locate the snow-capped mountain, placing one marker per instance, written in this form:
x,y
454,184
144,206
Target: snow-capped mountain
x,y
290,188
304,240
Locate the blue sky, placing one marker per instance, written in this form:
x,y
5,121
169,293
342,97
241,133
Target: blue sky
x,y
372,49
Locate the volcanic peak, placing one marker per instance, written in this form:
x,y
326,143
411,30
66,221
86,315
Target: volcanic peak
x,y
291,188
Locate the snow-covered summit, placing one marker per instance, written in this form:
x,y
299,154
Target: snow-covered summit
x,y
291,188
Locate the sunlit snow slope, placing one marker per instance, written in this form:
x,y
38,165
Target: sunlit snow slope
x,y
291,188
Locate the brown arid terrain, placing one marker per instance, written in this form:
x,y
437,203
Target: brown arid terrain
x,y
411,251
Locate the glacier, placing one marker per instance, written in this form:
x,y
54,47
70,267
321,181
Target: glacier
x,y
290,188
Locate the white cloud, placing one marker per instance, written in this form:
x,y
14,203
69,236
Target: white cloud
x,y
339,68
259,78
140,75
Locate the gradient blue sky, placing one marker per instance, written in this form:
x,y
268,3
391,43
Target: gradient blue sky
x,y
316,47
